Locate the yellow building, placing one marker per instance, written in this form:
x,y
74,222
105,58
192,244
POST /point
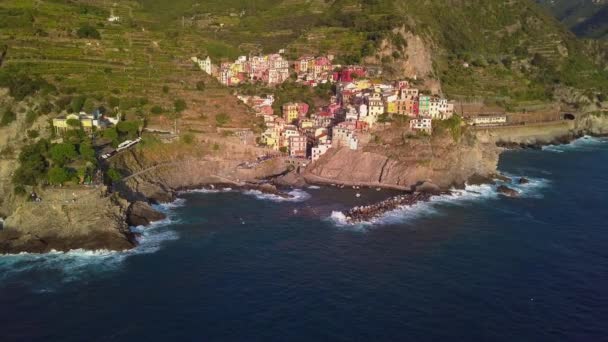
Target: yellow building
x,y
363,84
291,112
306,123
391,107
270,139
61,124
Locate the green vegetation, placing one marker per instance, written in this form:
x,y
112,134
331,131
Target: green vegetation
x,y
179,105
7,118
88,31
454,126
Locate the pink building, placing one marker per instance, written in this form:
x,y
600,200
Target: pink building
x,y
297,146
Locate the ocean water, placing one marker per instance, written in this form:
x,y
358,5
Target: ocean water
x,y
231,266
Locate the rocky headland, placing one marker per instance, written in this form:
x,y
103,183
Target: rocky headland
x,y
99,218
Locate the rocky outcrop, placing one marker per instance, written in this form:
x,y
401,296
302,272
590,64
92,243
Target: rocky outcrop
x,y
370,212
160,182
440,161
142,214
506,191
66,219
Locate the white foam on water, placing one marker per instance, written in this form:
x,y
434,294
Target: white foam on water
x,y
532,189
295,195
408,213
205,191
55,268
585,143
314,187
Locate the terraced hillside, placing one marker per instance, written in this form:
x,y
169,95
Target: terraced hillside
x,y
502,51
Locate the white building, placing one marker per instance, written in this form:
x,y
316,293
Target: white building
x,y
488,120
422,124
344,137
376,105
320,150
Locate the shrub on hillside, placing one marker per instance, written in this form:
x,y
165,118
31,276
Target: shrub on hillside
x,y
180,105
88,31
7,118
63,153
58,175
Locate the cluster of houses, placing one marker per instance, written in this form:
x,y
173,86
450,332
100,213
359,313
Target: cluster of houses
x,y
269,69
88,122
358,106
274,69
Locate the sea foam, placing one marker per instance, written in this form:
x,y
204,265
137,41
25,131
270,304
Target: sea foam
x,y
585,143
76,265
457,197
295,195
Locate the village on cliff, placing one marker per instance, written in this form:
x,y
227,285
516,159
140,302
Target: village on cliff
x,y
358,105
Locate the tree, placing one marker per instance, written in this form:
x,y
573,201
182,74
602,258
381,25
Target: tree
x,y
58,175
88,31
63,153
127,129
74,123
7,118
180,105
87,152
166,89
33,164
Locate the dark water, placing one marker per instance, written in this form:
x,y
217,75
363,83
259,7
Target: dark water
x,y
232,267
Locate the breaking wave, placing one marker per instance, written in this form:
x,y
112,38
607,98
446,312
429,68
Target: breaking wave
x,y
295,195
457,197
585,143
206,191
46,272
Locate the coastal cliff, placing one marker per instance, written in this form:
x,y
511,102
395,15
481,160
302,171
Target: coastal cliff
x,y
147,178
67,218
442,160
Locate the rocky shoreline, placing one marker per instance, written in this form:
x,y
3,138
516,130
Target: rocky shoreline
x,y
70,219
368,213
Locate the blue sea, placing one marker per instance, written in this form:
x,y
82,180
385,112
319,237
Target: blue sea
x,y
233,266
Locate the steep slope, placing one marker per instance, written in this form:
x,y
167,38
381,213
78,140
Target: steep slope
x,y
586,18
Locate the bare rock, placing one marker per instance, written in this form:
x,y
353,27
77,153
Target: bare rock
x,y
506,191
141,214
428,188
523,180
478,179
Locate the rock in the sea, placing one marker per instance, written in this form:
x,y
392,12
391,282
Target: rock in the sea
x,y
141,214
506,191
501,177
291,179
428,187
523,180
478,179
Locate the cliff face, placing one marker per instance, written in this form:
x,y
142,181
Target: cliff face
x,y
159,181
67,219
442,161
